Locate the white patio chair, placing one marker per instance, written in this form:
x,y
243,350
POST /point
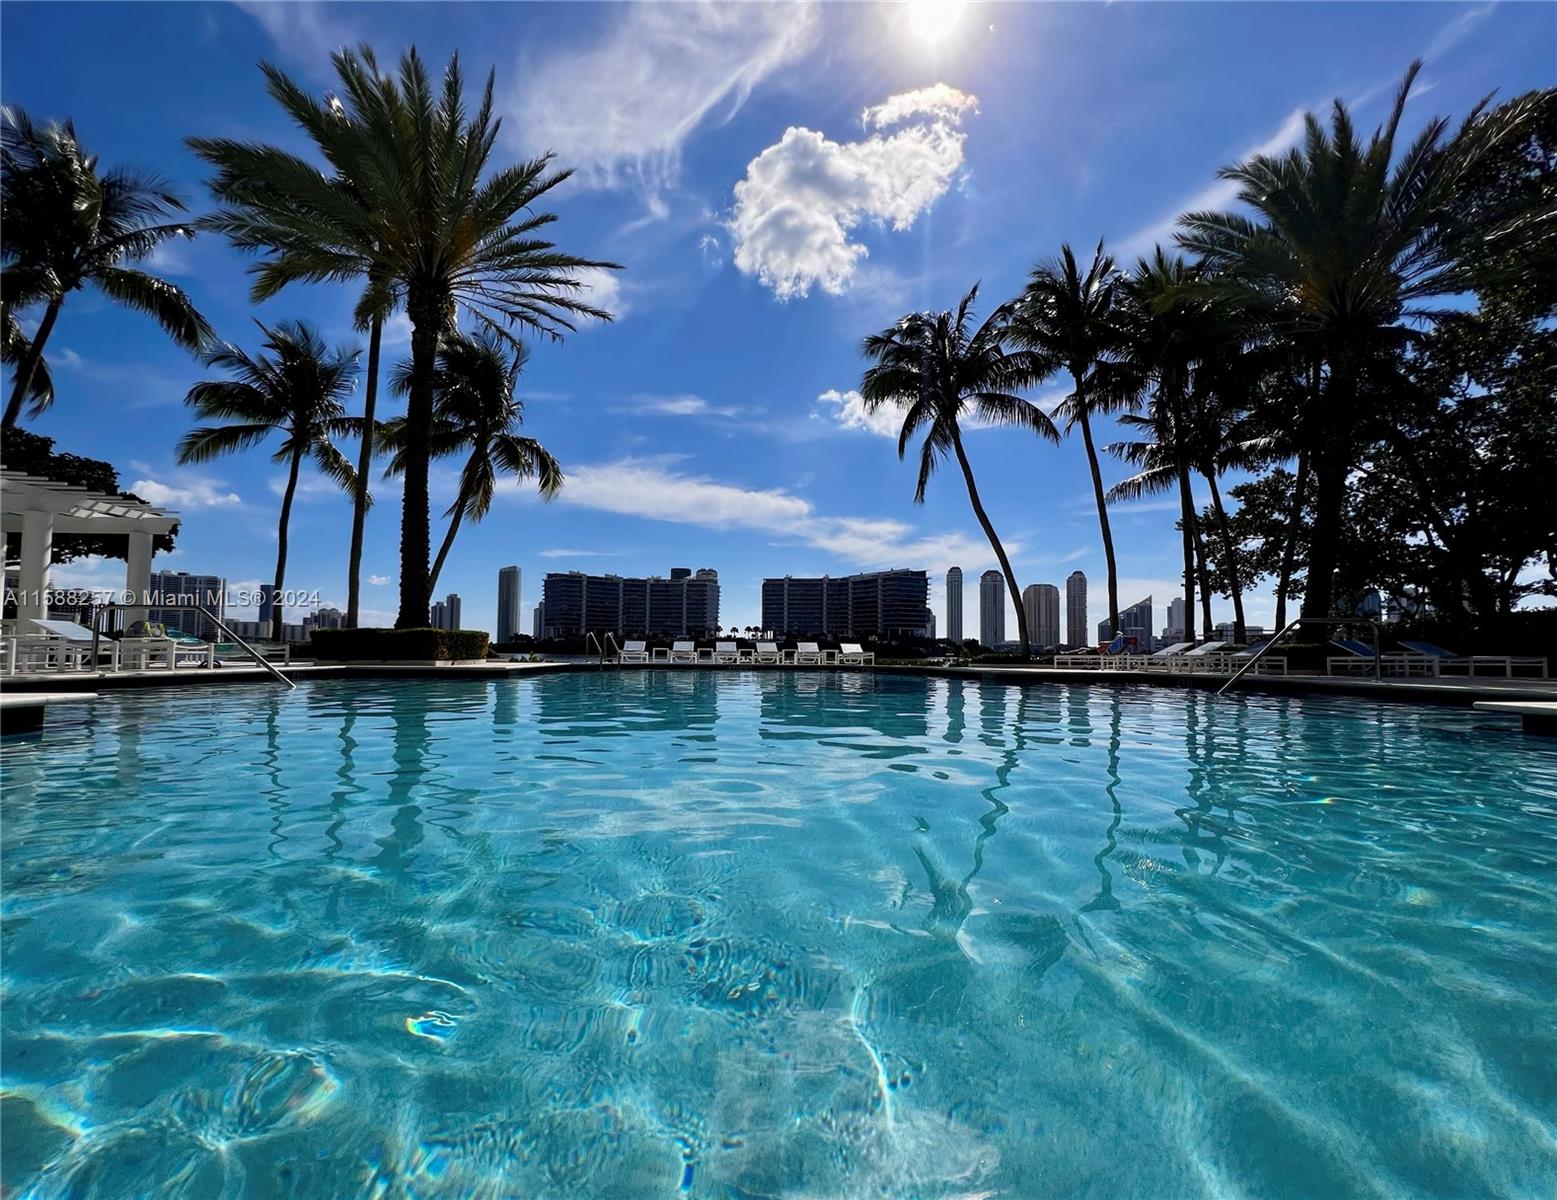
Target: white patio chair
x,y
807,654
683,652
767,653
633,652
726,652
851,654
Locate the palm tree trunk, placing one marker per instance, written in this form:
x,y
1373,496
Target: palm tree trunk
x,y
415,532
1187,525
1230,556
994,542
1324,545
455,518
1289,551
1102,517
1205,577
276,615
29,364
359,506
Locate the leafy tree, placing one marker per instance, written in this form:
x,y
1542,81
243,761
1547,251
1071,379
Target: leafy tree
x,y
67,225
1069,319
1348,239
311,223
938,369
453,236
298,389
476,414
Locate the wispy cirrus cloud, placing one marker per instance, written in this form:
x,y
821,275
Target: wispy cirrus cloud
x,y
804,197
683,405
621,110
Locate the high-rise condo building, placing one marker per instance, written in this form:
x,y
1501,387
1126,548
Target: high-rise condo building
x,y
445,614
686,604
538,622
178,590
1076,611
1041,604
1174,630
1134,622
874,604
954,604
508,581
992,609
325,618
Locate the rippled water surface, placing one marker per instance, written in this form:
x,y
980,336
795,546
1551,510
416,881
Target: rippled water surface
x,y
803,935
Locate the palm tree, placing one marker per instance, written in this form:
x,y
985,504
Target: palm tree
x,y
449,240
1348,239
938,371
476,414
15,347
1068,318
310,224
66,226
297,389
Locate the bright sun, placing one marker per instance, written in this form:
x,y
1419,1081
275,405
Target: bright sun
x,y
932,21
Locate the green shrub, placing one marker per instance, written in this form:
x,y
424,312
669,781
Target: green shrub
x,y
413,645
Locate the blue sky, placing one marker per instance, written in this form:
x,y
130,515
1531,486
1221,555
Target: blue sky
x,y
778,182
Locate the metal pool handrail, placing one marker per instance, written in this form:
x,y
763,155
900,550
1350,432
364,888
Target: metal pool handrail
x,y
205,612
1293,624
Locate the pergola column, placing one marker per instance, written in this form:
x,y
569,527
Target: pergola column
x,y
137,577
37,555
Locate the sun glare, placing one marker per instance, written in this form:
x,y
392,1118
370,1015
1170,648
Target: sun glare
x,y
932,21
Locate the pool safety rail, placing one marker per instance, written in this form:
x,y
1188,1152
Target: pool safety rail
x,y
1378,673
249,650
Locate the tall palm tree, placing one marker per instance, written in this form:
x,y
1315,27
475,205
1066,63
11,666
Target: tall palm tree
x,y
1346,242
476,414
454,236
297,389
1068,318
67,225
938,369
15,347
312,223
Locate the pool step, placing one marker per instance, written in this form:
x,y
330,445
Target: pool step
x,y
22,712
1535,716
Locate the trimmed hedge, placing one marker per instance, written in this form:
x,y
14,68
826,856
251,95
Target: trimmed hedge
x,y
398,645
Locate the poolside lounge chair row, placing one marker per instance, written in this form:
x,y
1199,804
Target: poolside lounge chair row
x,y
1428,660
36,646
1180,658
688,653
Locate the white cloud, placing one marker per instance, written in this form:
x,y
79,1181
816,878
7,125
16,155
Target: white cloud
x,y
848,410
186,491
938,101
310,488
684,405
602,289
302,31
563,552
805,195
621,110
378,580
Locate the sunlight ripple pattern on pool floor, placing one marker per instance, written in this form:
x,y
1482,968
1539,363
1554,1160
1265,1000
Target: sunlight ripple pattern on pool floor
x,y
789,934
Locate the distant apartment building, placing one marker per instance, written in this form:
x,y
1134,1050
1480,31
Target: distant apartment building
x,y
445,613
1174,629
1134,622
1076,610
573,603
1227,632
538,622
508,584
1041,606
954,604
873,604
325,618
992,609
259,631
177,590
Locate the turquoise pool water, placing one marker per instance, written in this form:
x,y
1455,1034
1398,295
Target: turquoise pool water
x,y
776,935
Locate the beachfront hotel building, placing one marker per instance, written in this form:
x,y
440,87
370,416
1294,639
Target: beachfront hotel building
x,y
574,603
508,583
954,604
873,604
992,609
1041,604
1076,610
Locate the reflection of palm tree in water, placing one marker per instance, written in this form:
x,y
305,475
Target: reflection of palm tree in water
x,y
1105,899
408,711
1199,746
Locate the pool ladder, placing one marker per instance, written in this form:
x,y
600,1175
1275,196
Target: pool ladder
x,y
1378,673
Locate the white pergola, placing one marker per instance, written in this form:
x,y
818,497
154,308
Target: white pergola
x,y
38,508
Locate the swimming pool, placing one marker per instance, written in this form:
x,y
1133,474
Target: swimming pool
x,y
790,934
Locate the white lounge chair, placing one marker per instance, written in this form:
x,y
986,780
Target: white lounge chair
x,y
50,645
683,652
807,654
1359,659
768,653
1447,658
851,654
633,652
726,652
